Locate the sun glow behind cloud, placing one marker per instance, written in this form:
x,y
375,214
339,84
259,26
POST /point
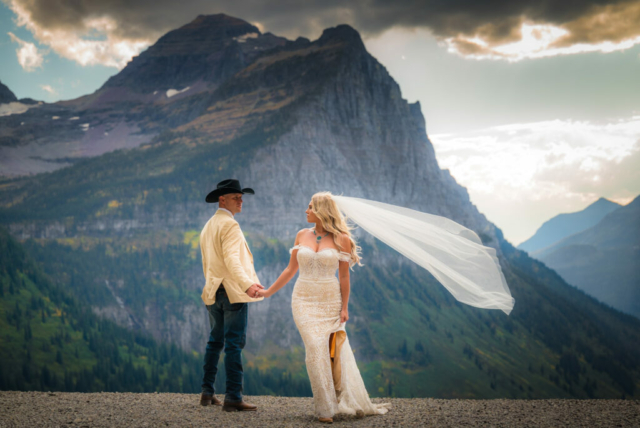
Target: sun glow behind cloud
x,y
600,28
537,41
514,172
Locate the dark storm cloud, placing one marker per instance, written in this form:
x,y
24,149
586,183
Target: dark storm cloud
x,y
137,18
495,22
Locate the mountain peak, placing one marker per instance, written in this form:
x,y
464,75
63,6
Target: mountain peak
x,y
219,21
342,33
602,205
563,225
206,34
602,202
209,49
6,96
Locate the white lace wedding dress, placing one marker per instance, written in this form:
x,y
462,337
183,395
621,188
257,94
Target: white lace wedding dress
x,y
316,303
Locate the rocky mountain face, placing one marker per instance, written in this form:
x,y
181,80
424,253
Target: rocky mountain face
x,y
6,96
352,108
603,260
564,225
339,140
145,99
209,49
121,229
328,104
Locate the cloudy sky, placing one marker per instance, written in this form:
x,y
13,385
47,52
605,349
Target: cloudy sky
x,y
534,106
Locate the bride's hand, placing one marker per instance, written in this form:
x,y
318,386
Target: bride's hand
x,y
344,315
264,293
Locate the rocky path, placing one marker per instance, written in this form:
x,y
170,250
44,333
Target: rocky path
x,y
37,409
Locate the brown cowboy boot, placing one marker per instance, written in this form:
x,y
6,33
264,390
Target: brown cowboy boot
x,y
206,400
239,407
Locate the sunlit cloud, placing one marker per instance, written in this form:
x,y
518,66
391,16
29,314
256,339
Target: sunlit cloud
x,y
94,41
559,165
537,41
29,57
604,29
49,89
111,32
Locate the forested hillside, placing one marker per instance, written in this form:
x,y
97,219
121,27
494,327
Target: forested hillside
x,y
52,341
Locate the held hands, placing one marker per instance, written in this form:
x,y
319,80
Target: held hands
x,y
265,293
253,290
344,316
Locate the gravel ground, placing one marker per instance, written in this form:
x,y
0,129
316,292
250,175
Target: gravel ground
x,y
36,409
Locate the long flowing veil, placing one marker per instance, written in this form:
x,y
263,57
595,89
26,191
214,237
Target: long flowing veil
x,y
452,253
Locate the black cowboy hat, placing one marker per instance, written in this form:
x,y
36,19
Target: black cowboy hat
x,y
225,187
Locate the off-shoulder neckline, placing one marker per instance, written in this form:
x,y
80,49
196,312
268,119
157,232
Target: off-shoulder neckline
x,y
324,249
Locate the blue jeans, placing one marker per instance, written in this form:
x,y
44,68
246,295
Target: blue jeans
x,y
229,331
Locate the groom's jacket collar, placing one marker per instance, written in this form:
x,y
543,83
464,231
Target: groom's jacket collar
x,y
224,211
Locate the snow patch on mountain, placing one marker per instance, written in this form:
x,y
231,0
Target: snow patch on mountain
x,y
245,37
15,107
173,92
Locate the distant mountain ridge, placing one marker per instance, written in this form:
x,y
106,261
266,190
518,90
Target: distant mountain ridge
x,y
604,260
563,225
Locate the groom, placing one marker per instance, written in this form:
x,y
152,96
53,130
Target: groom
x,y
231,282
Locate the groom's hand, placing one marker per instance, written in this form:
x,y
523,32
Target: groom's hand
x,y
263,293
253,290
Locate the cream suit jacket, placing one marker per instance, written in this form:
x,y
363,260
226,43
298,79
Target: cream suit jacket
x,y
226,258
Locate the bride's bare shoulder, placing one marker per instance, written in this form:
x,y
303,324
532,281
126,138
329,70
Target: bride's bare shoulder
x,y
345,241
301,233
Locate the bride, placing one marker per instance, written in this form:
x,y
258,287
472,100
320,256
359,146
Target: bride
x,y
452,253
320,305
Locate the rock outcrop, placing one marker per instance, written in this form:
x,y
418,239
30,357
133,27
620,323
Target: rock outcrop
x,y
6,96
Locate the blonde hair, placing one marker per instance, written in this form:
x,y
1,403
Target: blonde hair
x,y
326,209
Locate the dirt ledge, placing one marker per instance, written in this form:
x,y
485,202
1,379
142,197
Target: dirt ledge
x,y
42,409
